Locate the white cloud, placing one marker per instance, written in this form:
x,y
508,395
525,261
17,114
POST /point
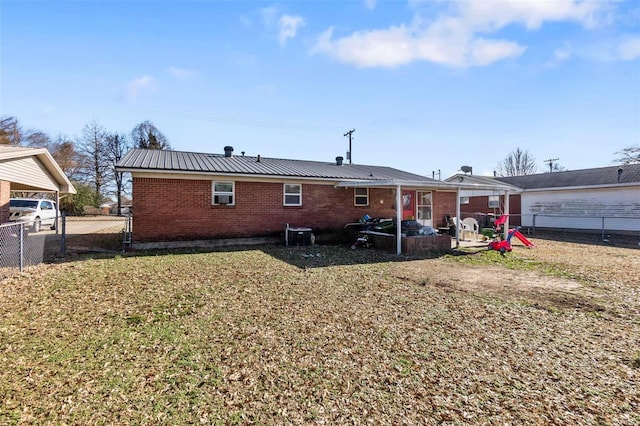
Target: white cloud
x,y
560,55
139,86
269,15
459,35
399,46
621,49
288,26
492,15
370,4
181,73
628,49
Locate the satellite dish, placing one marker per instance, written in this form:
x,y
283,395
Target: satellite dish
x,y
466,169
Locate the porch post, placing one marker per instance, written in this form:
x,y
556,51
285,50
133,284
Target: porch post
x,y
458,219
506,211
398,219
57,211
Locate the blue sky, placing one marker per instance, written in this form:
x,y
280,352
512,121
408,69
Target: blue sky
x,y
427,85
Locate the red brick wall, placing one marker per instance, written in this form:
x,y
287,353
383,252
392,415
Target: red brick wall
x,y
180,209
444,204
5,190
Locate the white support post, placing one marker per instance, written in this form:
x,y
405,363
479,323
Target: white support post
x,y
57,212
398,219
506,211
458,219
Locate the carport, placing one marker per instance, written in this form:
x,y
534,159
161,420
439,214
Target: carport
x,y
433,185
29,170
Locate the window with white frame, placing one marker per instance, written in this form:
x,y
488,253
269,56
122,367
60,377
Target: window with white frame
x,y
464,200
223,193
361,196
494,201
292,194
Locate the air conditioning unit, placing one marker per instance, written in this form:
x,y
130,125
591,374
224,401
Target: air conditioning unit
x,y
224,199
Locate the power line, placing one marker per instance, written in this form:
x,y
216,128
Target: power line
x,y
349,133
550,161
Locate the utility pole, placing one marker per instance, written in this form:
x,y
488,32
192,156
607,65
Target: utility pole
x,y
550,161
349,152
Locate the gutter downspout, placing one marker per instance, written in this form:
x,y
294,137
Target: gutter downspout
x,y
398,220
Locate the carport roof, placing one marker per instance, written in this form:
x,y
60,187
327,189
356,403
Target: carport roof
x,y
32,169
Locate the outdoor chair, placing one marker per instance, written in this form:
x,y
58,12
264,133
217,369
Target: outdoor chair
x,y
469,224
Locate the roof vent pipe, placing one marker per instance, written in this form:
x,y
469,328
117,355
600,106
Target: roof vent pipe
x,y
258,159
228,151
339,161
620,170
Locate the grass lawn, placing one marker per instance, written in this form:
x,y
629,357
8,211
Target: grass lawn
x,y
325,335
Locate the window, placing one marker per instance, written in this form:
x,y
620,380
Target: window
x,y
223,193
292,194
361,196
464,200
494,201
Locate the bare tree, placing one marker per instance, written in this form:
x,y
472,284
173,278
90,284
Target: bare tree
x,y
67,156
36,139
116,146
92,148
558,168
517,163
10,131
146,135
629,155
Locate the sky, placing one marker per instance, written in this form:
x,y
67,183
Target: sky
x,y
429,86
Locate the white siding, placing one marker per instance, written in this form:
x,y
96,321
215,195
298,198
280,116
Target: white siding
x,y
27,171
611,209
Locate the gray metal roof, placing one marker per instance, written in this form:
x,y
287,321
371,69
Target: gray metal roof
x,y
603,176
153,160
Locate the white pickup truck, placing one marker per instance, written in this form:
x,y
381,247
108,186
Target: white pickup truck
x,y
34,211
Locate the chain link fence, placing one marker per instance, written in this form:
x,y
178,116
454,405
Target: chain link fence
x,y
22,247
623,229
19,248
98,233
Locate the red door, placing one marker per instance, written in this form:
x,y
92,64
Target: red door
x,y
408,205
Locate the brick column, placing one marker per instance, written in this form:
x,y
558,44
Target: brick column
x,y
5,188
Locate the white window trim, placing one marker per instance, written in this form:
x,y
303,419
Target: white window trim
x,y
214,193
464,200
285,193
496,200
356,196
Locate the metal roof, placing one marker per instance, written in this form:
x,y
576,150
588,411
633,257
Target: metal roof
x,y
620,175
165,161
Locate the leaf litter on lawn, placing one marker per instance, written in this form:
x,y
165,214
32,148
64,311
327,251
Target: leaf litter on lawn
x,y
275,335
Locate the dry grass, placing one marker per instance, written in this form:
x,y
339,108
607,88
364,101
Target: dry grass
x,y
325,335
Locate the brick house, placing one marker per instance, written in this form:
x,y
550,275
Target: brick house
x,y
29,170
186,196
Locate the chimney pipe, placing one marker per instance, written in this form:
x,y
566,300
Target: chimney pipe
x,y
339,161
228,151
620,170
258,160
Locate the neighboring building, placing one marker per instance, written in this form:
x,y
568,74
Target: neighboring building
x,y
32,170
197,196
605,198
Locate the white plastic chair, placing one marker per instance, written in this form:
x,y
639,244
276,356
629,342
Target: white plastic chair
x,y
469,224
